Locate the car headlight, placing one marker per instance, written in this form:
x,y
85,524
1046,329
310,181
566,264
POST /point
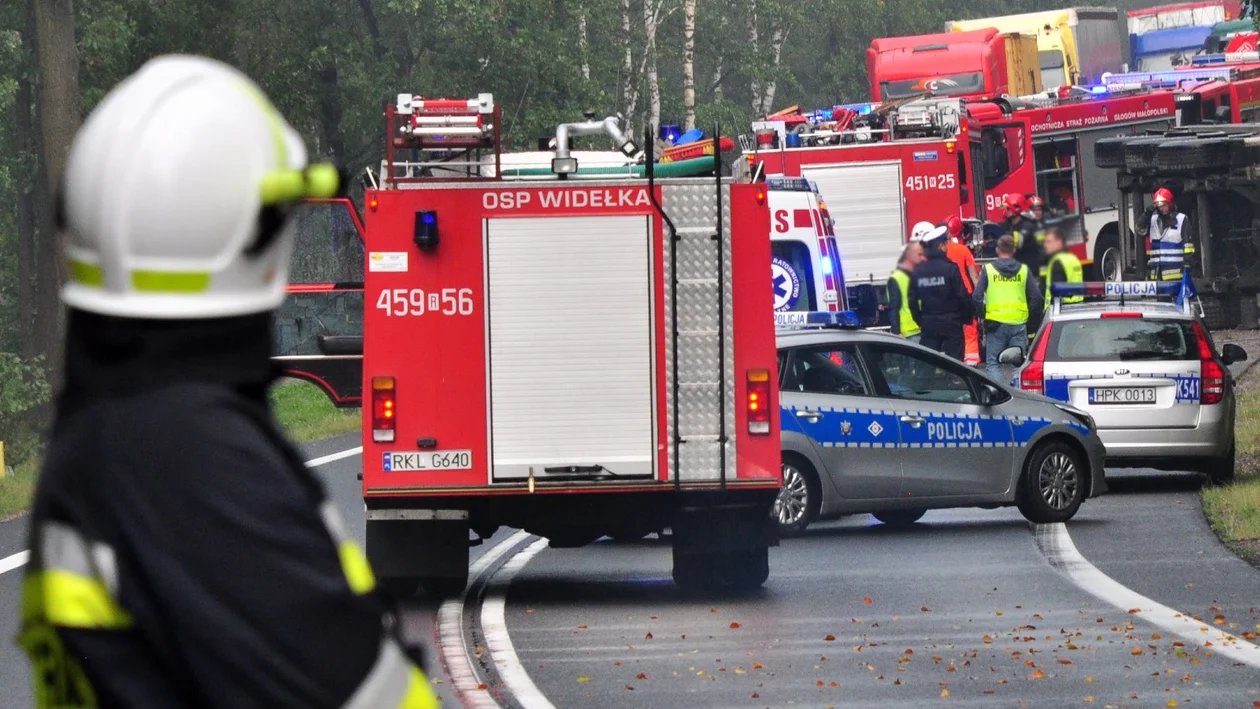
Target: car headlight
x,y
1086,420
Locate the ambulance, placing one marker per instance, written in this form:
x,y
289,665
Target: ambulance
x,y
805,268
578,355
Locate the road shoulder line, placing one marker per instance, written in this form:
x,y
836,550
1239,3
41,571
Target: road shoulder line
x,y
1055,544
494,627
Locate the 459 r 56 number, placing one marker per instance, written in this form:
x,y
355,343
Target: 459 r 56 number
x,y
414,301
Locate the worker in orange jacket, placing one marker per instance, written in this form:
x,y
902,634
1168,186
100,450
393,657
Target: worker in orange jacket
x,y
960,253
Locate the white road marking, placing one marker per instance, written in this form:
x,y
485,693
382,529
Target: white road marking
x,y
1057,547
494,626
18,560
459,665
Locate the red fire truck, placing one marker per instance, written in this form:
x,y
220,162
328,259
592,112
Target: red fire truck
x,y
879,170
568,355
1219,88
1064,126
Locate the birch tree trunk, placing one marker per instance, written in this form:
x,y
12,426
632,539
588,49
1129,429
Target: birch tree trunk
x,y
716,85
630,82
689,64
583,44
755,82
651,18
776,51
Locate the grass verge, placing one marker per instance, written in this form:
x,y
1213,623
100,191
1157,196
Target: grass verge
x,y
302,409
1233,511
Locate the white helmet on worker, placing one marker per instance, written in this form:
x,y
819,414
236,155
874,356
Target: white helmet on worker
x,y
921,230
177,193
934,235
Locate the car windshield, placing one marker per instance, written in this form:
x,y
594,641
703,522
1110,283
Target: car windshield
x,y
1111,339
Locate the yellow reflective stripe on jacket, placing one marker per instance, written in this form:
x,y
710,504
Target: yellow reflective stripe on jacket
x,y
909,328
353,561
1071,268
1006,297
71,582
393,683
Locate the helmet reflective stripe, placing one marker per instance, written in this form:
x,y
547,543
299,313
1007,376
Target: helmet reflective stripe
x,y
165,185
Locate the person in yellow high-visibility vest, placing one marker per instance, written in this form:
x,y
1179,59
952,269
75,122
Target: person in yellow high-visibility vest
x,y
1008,296
899,317
1062,266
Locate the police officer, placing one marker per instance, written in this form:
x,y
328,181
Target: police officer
x,y
1062,265
1169,233
960,254
899,317
938,298
1008,297
182,555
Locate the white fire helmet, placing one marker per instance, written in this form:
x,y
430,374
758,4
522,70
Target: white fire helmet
x,y
921,230
177,193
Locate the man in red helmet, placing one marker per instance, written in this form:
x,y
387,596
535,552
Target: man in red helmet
x,y
1169,233
1024,229
959,253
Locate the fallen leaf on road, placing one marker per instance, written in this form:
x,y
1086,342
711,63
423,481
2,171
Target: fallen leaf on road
x,y
990,691
1064,661
757,666
741,671
924,609
1089,700
1219,619
616,663
483,686
988,638
835,683
1135,610
756,696
713,610
582,626
734,626
897,682
1089,680
909,651
936,658
1000,613
1172,703
951,668
1038,674
641,675
529,611
583,679
1195,660
649,636
829,638
944,692
1136,651
818,683
867,600
1155,636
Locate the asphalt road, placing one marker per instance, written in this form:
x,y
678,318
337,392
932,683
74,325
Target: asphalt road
x,y
962,607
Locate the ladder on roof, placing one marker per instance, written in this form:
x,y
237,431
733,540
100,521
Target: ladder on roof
x,y
441,139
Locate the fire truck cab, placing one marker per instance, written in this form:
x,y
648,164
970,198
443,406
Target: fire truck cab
x,y
575,356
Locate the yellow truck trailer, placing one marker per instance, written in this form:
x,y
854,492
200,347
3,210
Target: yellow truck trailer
x,y
1075,45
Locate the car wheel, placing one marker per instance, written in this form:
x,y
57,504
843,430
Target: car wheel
x,y
1052,486
1220,471
899,518
799,498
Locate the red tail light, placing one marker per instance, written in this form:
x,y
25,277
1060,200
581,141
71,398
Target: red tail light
x,y
1120,315
1033,377
1211,374
759,401
383,410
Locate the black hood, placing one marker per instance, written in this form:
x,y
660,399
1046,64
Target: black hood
x,y
110,357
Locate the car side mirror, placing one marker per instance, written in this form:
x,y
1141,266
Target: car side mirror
x,y
1013,356
989,394
1232,353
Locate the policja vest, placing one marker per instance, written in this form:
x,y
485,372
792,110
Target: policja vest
x,y
909,328
1005,297
1167,253
1071,267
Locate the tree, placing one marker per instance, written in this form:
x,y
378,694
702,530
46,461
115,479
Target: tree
x,y
689,64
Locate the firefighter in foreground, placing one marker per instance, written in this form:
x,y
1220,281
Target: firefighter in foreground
x,y
182,555
959,253
899,317
938,299
1023,229
1008,297
1168,231
1062,266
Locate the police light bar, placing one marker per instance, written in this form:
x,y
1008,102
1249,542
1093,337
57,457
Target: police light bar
x,y
816,319
792,184
1116,289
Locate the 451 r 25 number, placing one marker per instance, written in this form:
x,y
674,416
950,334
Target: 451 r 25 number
x,y
414,301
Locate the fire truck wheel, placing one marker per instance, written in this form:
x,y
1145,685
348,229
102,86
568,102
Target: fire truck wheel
x,y
1108,265
735,570
398,588
1052,487
442,587
1109,152
1221,311
799,498
1139,153
1191,154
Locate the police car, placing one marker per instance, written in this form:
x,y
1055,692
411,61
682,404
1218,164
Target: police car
x,y
805,264
1146,370
873,423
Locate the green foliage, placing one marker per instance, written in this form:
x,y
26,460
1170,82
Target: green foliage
x,y
23,389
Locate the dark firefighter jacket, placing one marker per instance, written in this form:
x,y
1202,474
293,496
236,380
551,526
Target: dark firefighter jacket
x,y
182,555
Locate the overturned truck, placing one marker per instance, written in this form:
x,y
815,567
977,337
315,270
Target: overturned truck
x,y
1212,171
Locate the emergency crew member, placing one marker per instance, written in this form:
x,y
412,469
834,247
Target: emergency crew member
x,y
1169,233
182,555
1024,230
899,317
1008,297
1062,265
938,299
960,254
